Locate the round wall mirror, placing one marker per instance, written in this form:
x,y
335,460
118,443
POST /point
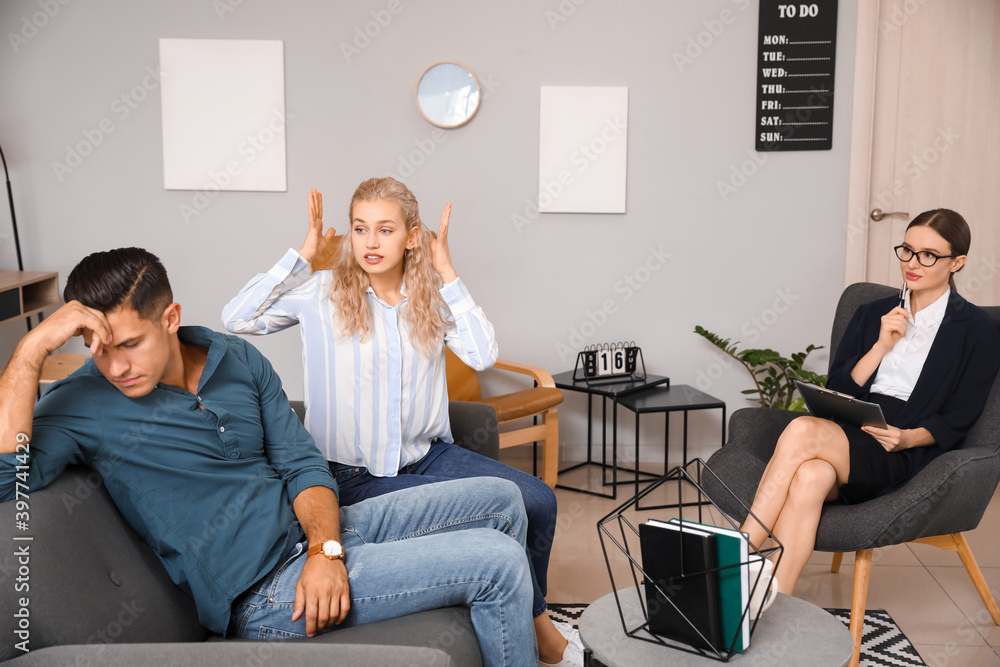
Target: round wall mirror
x,y
448,94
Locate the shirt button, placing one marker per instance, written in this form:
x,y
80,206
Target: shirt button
x,y
393,416
222,429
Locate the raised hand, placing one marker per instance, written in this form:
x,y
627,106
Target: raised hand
x,y
73,319
19,381
316,240
439,249
893,328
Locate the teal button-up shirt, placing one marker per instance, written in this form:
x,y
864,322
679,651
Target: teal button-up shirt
x,y
210,490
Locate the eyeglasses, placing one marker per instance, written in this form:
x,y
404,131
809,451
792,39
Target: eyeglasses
x,y
924,257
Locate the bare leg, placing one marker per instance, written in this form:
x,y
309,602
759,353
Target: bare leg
x,y
814,483
804,439
551,643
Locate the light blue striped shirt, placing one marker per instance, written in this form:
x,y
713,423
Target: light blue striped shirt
x,y
378,403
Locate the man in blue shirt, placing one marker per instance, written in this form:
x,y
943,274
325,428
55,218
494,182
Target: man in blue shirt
x,y
203,456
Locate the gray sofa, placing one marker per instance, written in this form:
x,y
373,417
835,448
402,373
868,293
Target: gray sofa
x,y
96,594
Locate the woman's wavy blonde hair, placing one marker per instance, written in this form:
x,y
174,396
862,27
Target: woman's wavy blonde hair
x,y
424,310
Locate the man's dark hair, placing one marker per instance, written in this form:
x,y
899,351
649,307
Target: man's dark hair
x,y
132,277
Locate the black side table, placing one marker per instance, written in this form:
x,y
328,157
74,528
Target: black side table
x,y
613,391
677,398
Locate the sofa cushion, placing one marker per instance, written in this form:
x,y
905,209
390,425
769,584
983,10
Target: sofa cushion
x,y
87,578
474,426
255,654
448,629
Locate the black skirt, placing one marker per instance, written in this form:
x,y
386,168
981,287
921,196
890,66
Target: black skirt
x,y
874,471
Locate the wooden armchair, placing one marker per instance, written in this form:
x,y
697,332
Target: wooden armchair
x,y
539,401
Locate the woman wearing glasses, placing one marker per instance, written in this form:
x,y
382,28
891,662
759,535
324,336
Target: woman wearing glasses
x,y
928,358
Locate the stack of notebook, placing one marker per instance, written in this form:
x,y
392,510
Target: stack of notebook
x,y
703,571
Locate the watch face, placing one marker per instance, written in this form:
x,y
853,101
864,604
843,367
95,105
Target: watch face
x,y
332,549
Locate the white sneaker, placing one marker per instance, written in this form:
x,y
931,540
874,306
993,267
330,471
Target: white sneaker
x,y
571,634
571,657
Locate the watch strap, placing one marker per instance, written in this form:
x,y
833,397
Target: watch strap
x,y
318,549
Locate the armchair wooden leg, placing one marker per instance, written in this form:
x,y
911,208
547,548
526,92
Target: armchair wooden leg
x,y
550,449
957,542
972,567
862,571
838,557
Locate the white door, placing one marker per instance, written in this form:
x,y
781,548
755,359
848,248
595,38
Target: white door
x,y
926,133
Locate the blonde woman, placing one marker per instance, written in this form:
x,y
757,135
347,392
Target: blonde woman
x,y
374,329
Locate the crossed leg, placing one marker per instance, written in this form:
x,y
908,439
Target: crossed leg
x,y
810,461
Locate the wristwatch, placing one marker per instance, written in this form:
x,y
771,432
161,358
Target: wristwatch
x,y
331,549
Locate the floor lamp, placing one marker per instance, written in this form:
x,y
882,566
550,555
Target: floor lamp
x,y
13,222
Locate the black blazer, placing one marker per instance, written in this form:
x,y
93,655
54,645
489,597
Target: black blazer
x,y
956,378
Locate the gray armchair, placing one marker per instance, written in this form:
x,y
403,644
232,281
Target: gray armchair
x,y
96,594
945,499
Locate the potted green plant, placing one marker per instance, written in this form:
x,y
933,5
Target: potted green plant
x,y
773,375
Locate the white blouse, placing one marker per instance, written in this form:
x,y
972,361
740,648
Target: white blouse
x,y
897,374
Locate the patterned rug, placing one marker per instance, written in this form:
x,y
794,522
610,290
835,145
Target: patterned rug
x,y
882,642
882,645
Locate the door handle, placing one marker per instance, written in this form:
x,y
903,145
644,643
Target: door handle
x,y
877,214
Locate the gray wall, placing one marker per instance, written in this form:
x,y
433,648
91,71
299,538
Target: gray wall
x,y
762,264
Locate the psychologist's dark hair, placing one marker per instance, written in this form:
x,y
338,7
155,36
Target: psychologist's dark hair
x,y
131,277
952,227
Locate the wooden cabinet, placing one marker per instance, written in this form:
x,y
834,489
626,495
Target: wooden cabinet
x,y
26,293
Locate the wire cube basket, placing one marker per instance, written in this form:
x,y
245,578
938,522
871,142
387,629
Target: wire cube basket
x,y
616,529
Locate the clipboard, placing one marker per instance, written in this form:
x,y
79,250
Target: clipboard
x,y
829,404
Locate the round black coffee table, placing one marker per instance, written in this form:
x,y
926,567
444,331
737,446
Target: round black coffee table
x,y
791,632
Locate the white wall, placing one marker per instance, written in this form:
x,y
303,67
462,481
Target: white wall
x,y
763,264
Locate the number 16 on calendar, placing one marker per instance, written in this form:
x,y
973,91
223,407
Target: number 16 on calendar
x,y
609,361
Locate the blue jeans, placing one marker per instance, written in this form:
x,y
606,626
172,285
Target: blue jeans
x,y
446,461
459,543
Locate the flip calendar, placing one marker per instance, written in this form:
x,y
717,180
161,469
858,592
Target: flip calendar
x,y
611,362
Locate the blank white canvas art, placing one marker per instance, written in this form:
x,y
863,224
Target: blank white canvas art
x,y
582,149
223,103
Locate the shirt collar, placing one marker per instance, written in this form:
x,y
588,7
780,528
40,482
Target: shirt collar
x,y
215,342
402,290
932,314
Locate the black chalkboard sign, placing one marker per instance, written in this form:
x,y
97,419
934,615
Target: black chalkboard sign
x,y
796,55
